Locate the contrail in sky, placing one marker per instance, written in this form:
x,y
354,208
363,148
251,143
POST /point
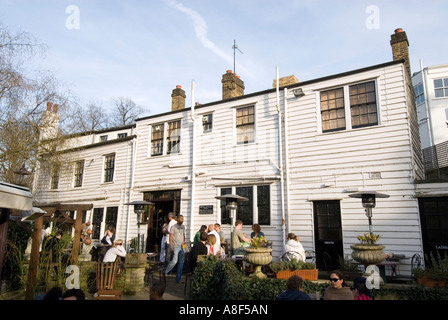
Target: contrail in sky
x,y
200,28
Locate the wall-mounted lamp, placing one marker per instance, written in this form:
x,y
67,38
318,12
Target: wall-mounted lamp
x,y
298,92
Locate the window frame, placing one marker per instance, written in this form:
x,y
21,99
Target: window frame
x,y
254,204
239,126
109,172
348,107
55,176
443,88
78,174
207,122
173,135
162,132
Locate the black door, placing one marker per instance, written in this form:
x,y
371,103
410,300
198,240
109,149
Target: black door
x,y
434,220
328,234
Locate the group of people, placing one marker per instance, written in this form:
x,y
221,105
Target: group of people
x,y
336,291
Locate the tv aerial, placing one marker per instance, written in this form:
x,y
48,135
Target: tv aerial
x,y
235,47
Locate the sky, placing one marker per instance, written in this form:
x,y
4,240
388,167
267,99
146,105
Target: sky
x,y
143,49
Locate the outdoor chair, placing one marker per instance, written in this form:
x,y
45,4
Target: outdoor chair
x,y
105,280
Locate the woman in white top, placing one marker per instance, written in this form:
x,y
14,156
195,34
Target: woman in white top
x,y
116,250
294,248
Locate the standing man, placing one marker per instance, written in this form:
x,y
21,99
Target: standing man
x,y
171,222
177,245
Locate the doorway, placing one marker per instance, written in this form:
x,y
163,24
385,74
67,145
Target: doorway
x,y
328,234
164,203
434,221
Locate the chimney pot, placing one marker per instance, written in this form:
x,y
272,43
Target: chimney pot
x,y
55,108
49,104
229,71
179,86
398,30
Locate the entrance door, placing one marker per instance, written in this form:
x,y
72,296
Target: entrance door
x,y
164,203
328,234
434,220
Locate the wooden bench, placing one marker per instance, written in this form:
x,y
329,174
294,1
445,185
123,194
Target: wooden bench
x,y
105,280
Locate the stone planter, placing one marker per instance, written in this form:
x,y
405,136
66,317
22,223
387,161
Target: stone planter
x,y
304,274
132,280
368,254
258,257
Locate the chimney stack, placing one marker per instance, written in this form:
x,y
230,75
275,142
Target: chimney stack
x,y
400,48
232,85
178,99
284,81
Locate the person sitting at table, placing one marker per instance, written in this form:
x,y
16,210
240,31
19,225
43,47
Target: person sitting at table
x,y
211,245
338,290
109,236
256,231
294,249
197,237
199,248
117,250
239,239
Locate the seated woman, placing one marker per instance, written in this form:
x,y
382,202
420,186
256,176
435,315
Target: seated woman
x,y
115,251
212,249
294,249
256,231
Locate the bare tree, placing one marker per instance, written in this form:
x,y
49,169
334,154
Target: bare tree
x,y
125,111
23,100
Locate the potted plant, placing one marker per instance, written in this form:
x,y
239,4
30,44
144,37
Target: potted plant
x,y
285,269
434,276
368,251
258,255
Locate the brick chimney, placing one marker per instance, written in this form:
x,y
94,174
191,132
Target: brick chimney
x,y
232,85
284,81
400,48
178,99
50,122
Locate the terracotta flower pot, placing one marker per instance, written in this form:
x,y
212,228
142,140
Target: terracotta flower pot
x,y
304,274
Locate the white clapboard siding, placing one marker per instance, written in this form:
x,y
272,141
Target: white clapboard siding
x,y
376,158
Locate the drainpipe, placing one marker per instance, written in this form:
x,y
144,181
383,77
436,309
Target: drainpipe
x,y
280,149
193,163
131,186
285,116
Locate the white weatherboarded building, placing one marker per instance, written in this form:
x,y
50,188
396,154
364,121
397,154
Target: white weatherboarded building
x,y
296,155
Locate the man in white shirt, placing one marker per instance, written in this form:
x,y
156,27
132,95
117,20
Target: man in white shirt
x,y
217,246
171,222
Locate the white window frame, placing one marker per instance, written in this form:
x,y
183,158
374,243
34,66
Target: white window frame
x,y
164,139
347,106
